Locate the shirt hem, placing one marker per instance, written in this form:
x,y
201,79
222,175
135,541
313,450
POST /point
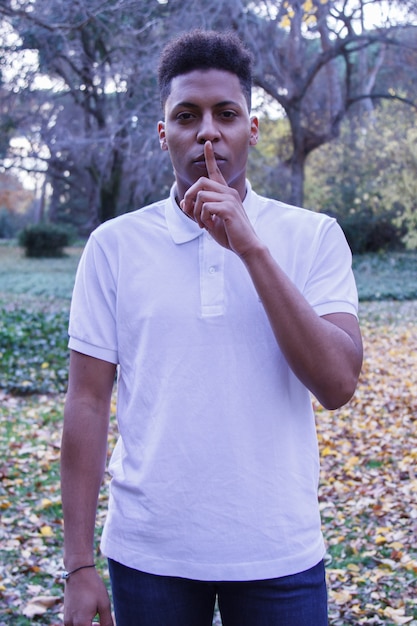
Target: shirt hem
x,y
217,572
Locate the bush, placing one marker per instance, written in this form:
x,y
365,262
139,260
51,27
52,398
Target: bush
x,y
372,233
44,240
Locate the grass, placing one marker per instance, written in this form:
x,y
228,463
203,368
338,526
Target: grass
x,y
47,283
39,284
34,304
369,448
386,276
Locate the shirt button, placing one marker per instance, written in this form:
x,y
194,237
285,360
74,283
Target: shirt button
x,y
212,269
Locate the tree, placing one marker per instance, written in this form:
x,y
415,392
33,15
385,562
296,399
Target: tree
x,y
319,59
93,127
399,189
95,121
368,180
98,120
15,201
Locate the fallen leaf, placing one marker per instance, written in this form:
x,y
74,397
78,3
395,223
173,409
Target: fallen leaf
x,y
39,606
397,615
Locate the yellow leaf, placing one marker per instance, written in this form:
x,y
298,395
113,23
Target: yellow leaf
x,y
352,462
352,567
45,365
411,566
341,597
46,531
396,615
327,451
380,539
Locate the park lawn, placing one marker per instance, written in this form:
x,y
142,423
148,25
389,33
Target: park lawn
x,y
36,284
368,488
46,284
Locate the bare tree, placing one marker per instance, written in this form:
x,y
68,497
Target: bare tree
x,y
96,120
95,123
319,60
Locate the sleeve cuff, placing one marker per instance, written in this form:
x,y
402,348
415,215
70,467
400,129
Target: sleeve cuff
x,y
95,351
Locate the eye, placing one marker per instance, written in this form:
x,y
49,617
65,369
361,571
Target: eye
x,y
228,115
185,116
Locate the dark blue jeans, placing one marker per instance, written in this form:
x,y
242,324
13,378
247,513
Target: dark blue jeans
x,y
142,599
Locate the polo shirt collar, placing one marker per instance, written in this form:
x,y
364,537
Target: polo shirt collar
x,y
183,229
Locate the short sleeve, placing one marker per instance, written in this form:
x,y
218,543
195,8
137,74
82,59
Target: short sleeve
x,y
331,286
92,324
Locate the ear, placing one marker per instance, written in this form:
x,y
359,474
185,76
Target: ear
x,y
162,136
254,131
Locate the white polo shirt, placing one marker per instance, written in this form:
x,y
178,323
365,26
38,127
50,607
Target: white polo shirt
x,y
215,473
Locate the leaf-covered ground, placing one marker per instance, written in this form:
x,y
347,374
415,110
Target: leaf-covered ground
x,y
368,492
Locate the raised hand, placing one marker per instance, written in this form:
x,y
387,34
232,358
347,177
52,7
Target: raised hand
x,y
218,208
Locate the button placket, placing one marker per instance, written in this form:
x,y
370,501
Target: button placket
x,y
211,276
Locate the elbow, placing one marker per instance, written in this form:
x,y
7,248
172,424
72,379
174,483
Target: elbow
x,y
335,401
339,393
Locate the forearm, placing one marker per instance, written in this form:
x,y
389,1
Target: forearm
x,y
324,356
83,458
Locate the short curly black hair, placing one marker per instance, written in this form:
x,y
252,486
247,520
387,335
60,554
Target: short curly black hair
x,y
205,49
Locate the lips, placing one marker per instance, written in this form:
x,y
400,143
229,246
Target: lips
x,y
201,160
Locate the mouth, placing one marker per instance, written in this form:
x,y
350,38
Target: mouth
x,y
201,161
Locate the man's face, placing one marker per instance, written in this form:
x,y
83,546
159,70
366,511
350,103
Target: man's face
x,y
207,105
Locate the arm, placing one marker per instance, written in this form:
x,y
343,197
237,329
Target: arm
x,y
325,352
83,458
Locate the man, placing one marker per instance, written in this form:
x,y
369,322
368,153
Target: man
x,y
222,311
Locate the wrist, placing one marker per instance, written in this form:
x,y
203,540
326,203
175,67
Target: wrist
x,y
66,574
255,254
72,560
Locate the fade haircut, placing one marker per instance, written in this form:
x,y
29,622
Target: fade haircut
x,y
205,50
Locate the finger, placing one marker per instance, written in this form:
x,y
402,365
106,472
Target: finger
x,y
213,170
208,214
187,206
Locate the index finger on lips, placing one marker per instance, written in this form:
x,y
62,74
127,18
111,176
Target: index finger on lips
x,y
213,169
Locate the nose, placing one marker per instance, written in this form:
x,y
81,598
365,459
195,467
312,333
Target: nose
x,y
208,130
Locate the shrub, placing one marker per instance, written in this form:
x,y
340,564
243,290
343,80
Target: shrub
x,y
372,233
44,240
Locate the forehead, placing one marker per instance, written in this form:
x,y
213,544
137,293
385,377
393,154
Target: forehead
x,y
206,86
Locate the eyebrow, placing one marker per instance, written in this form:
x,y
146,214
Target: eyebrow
x,y
193,105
